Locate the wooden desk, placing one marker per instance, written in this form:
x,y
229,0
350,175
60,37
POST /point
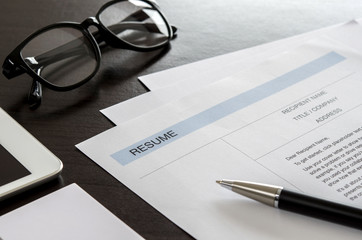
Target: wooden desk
x,y
207,28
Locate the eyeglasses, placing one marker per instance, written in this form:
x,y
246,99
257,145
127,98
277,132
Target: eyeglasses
x,y
65,55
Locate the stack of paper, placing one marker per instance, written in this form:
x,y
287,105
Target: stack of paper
x,y
285,113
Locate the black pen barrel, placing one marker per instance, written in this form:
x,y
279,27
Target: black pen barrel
x,y
319,208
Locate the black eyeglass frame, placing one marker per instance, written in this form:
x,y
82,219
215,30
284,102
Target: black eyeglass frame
x,y
14,64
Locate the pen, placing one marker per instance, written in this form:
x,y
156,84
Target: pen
x,y
296,202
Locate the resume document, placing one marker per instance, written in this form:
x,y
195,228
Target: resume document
x,y
293,120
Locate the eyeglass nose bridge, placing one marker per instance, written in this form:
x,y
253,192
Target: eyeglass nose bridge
x,y
90,21
101,35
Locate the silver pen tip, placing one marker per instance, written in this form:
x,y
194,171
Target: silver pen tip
x,y
261,192
225,183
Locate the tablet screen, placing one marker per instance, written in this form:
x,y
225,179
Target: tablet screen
x,y
10,168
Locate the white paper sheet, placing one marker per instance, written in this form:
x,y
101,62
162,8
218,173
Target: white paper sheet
x,y
292,121
69,213
174,83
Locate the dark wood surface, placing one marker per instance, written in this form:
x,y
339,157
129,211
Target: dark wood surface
x,y
207,28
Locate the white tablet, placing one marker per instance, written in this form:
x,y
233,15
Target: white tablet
x,y
24,161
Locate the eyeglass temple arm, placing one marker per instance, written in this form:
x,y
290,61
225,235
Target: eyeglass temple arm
x,y
150,27
35,95
141,15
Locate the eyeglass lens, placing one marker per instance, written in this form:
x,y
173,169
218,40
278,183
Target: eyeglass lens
x,y
135,22
63,56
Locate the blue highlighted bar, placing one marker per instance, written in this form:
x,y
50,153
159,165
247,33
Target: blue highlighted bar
x,y
223,109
